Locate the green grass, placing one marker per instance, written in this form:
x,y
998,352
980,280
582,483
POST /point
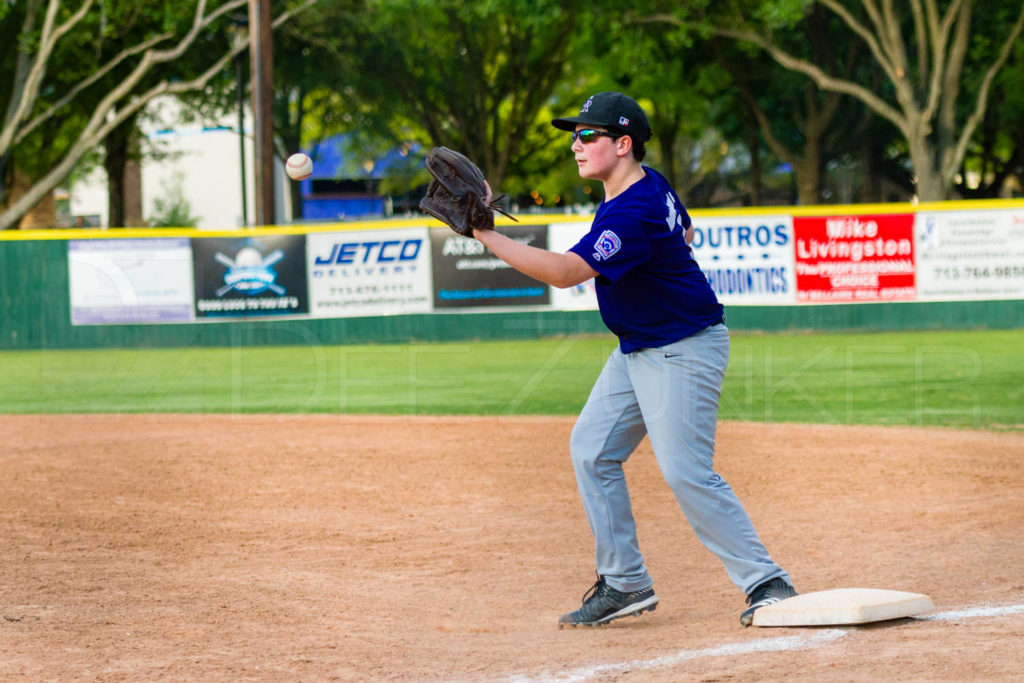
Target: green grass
x,y
965,379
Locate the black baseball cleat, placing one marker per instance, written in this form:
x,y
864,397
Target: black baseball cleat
x,y
768,593
602,603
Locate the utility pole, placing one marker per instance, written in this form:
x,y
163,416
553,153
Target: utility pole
x,y
262,69
239,22
240,84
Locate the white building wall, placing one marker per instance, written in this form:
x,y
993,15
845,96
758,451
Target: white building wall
x,y
203,157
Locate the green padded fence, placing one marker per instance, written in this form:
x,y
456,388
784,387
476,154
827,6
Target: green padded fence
x,y
35,314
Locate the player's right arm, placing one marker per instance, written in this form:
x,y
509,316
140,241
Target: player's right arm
x,y
557,270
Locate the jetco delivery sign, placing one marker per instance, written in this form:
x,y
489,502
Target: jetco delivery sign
x,y
369,273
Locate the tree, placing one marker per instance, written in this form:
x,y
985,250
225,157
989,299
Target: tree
x,y
679,84
996,154
924,52
475,76
925,56
302,85
804,126
46,34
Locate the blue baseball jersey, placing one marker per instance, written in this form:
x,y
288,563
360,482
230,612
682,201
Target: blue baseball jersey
x,y
650,290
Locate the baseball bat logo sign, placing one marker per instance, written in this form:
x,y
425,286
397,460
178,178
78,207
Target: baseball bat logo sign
x,y
250,276
249,272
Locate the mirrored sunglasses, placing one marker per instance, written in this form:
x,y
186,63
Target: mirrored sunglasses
x,y
590,135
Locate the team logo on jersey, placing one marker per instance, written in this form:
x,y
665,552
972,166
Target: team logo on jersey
x,y
674,217
606,245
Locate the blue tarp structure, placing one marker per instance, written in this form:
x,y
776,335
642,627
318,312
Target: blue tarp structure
x,y
347,189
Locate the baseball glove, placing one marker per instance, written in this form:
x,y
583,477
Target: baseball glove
x,y
456,194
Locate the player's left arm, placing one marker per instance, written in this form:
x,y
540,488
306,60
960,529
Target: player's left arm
x,y
557,270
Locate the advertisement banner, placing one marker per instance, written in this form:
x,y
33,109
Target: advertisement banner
x,y
970,255
748,260
467,275
114,281
250,276
375,272
846,259
582,297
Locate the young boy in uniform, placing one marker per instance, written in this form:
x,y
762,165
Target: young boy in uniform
x,y
663,380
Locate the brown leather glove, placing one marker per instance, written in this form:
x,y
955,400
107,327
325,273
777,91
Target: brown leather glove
x,y
457,193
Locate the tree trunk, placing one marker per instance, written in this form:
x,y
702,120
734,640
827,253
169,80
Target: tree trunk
x,y
43,214
808,170
756,170
870,157
666,144
133,188
808,183
124,183
295,199
931,187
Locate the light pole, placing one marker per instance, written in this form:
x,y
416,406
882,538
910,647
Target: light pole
x,y
238,23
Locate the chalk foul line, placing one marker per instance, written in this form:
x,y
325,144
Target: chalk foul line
x,y
973,613
781,644
784,643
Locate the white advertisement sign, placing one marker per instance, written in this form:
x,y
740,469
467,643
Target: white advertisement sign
x,y
582,297
113,281
970,255
747,259
374,272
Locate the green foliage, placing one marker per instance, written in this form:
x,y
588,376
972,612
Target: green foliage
x,y
173,209
88,63
487,76
997,150
962,379
480,77
47,145
781,13
676,79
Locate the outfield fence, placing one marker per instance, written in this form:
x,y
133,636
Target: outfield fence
x,y
950,265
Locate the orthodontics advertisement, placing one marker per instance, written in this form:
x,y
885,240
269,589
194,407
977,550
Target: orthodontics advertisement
x,y
375,272
748,259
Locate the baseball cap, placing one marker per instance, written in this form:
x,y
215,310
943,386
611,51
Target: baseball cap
x,y
615,111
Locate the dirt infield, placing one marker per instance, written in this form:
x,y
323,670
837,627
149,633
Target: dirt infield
x,y
346,548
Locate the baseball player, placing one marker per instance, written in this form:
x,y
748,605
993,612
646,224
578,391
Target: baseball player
x,y
663,379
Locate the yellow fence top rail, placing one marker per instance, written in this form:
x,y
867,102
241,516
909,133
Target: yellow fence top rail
x,y
533,219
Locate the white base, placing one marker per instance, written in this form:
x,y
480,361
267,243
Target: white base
x,y
843,606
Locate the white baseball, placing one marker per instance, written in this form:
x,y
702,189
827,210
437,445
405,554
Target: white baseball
x,y
299,166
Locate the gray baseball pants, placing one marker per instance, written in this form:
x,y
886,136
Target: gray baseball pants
x,y
670,393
